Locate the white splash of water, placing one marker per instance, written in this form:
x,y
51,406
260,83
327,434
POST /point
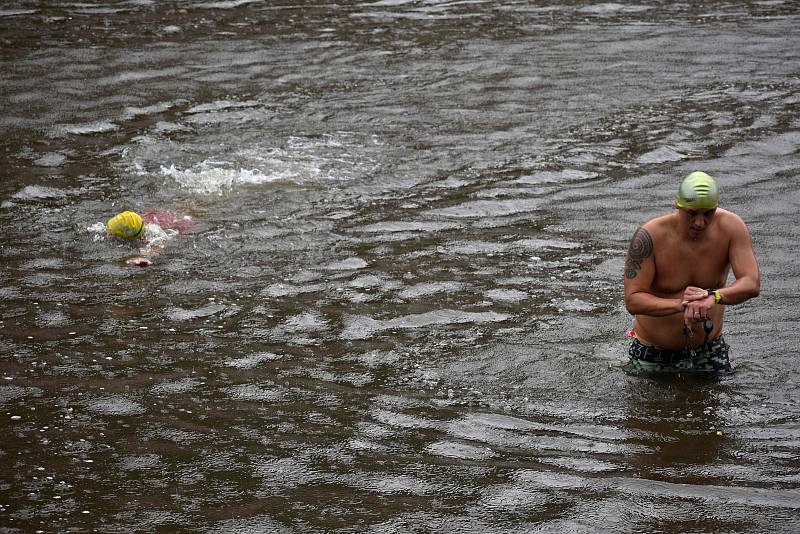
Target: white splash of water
x,y
210,180
99,231
90,128
155,236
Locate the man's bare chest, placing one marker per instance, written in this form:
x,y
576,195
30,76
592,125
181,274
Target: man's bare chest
x,y
680,264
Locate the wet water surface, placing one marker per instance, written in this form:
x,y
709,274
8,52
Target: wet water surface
x,y
401,307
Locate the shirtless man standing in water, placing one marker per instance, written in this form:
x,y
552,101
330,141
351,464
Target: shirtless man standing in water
x,y
675,275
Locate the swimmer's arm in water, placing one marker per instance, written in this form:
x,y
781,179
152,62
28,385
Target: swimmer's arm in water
x,y
146,255
640,271
139,261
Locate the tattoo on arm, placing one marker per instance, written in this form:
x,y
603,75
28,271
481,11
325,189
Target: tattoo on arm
x,y
641,247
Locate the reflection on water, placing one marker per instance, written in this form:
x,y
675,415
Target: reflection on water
x,y
402,308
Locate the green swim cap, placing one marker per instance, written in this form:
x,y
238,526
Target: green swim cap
x,y
698,191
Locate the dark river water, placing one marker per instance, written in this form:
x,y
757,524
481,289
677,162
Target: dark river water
x,y
400,309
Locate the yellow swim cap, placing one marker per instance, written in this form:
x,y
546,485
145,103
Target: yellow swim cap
x,y
126,224
698,191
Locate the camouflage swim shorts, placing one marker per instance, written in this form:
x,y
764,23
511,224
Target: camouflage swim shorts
x,y
711,356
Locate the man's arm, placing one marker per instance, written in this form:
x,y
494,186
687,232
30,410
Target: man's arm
x,y
147,253
640,270
139,261
743,263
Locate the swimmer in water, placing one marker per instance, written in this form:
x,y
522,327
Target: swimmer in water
x,y
676,274
131,225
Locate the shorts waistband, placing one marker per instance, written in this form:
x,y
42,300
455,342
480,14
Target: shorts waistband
x,y
655,354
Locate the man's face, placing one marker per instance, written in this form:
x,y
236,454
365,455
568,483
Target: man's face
x,y
697,220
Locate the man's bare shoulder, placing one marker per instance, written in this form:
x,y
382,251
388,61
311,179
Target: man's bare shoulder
x,y
729,216
731,224
660,225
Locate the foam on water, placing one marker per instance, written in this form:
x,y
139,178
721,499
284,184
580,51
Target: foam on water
x,y
51,319
661,155
252,361
401,420
181,314
391,484
289,290
611,8
98,231
377,282
490,208
406,226
257,159
359,327
39,192
305,322
253,392
89,128
133,111
175,386
229,4
573,305
461,451
475,247
430,288
347,264
556,177
539,244
585,465
141,462
209,179
223,105
515,500
114,405
507,295
51,159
